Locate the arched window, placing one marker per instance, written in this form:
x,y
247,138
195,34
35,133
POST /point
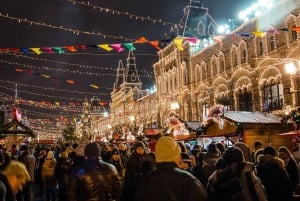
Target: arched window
x,y
245,100
272,43
272,96
261,48
224,100
294,34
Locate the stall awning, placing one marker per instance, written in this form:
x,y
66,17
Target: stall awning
x,y
16,128
290,134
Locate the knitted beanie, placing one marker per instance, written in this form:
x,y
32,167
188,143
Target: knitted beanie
x,y
166,149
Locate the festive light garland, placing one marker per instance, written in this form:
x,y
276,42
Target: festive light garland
x,y
64,70
129,15
61,27
74,64
53,89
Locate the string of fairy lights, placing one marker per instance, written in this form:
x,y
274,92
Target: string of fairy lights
x,y
81,66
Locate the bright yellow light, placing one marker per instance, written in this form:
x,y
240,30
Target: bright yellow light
x,y
290,68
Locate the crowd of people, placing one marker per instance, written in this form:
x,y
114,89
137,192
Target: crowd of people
x,y
170,171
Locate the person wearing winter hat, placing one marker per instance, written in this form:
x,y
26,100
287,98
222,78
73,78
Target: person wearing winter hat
x,y
165,183
274,176
94,179
232,177
135,169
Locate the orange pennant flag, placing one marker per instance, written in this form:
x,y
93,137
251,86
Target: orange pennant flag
x,y
296,29
19,70
154,43
141,40
70,81
71,48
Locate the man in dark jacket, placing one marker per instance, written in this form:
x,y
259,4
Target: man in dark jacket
x,y
94,180
168,182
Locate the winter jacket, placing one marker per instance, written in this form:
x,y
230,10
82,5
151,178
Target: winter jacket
x,y
94,180
248,188
168,182
274,177
48,176
6,193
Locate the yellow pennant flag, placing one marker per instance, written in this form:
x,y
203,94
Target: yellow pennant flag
x,y
258,34
36,50
178,42
105,47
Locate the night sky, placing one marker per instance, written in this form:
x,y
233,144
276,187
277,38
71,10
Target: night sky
x,y
90,66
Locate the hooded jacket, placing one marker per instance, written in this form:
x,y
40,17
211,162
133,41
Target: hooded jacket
x,y
274,177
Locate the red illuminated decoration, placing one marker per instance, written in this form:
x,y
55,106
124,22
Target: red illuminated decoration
x,y
16,114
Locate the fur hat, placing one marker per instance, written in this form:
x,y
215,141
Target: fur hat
x,y
92,149
233,155
166,149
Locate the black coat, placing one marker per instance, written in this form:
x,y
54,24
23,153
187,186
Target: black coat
x,y
275,179
5,187
169,182
94,180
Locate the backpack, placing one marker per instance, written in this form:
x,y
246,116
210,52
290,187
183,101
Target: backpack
x,y
228,187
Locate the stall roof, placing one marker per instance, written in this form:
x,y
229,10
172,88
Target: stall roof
x,y
16,128
252,117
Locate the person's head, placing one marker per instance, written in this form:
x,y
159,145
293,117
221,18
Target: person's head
x,y
167,150
284,154
16,174
92,150
269,150
122,147
115,153
258,145
186,160
139,148
50,155
233,155
212,148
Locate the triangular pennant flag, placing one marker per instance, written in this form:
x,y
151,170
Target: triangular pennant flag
x,y
246,34
94,86
19,70
283,29
59,50
129,46
71,48
296,29
117,47
141,40
178,42
83,47
192,40
273,31
25,50
36,50
154,43
48,49
258,34
70,81
46,76
105,47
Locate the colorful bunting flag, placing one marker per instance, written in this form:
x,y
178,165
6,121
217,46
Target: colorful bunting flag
x,y
36,50
141,40
178,42
105,47
117,47
129,46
